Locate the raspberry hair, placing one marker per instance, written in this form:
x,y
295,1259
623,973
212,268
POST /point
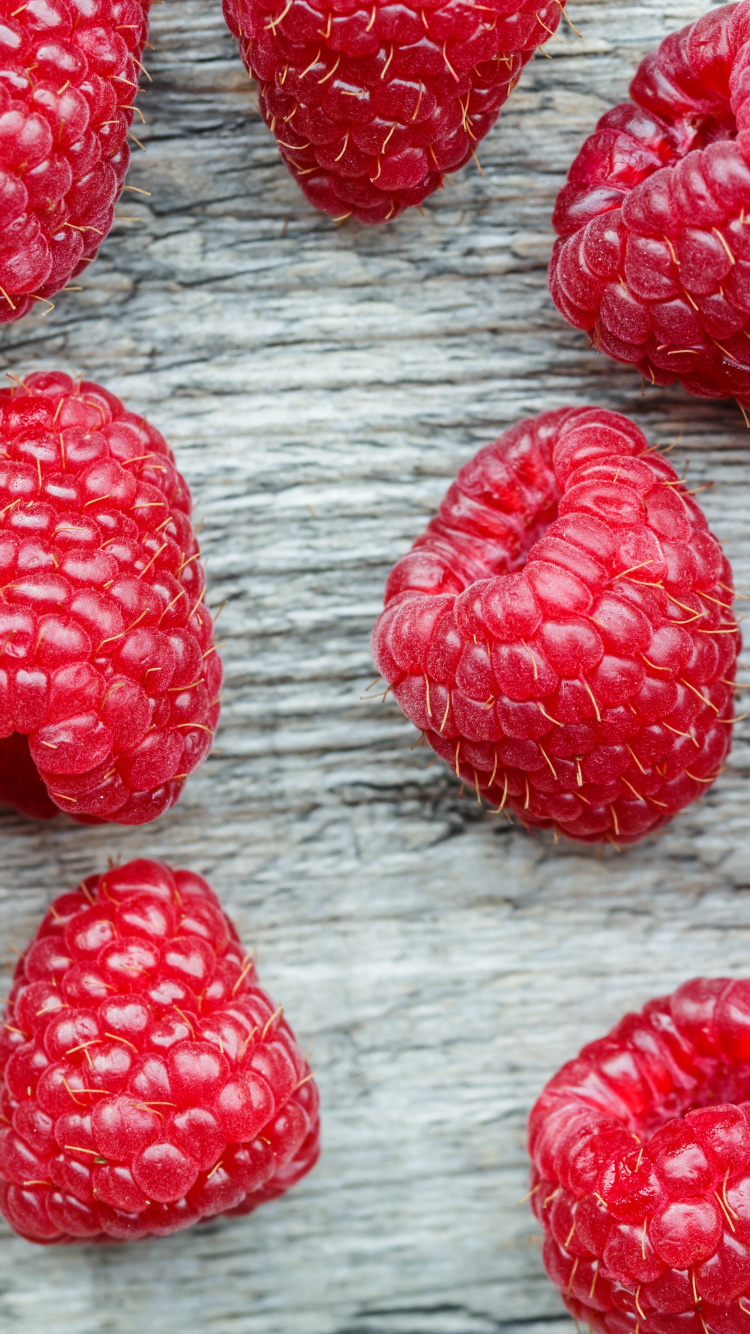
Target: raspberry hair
x,y
562,633
109,677
147,1080
653,255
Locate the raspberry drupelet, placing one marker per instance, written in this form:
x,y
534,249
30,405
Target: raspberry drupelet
x,y
147,1081
641,1168
372,102
562,633
653,255
68,80
109,678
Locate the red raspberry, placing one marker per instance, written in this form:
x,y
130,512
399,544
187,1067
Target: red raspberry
x,y
67,85
641,1168
148,1082
562,632
372,102
654,252
108,675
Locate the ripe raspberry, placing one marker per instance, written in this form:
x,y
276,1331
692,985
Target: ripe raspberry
x,y
562,632
147,1081
653,258
372,102
108,675
68,81
641,1168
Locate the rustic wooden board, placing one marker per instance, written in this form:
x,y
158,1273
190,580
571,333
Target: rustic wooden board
x,y
321,384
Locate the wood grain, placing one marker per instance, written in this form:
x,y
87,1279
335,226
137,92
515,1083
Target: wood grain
x,y
321,386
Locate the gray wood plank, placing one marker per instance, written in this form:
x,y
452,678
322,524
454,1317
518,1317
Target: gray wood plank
x,y
321,386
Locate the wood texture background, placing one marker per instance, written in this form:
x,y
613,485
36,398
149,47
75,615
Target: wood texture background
x,y
321,385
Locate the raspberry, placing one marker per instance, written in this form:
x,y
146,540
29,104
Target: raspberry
x,y
562,632
68,81
372,103
148,1082
108,674
653,258
641,1168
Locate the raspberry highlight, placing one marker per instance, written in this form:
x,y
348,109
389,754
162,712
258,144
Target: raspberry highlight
x,y
641,1168
148,1082
371,103
68,83
109,678
653,255
562,633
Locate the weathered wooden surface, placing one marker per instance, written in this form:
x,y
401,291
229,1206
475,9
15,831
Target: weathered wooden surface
x,y
321,385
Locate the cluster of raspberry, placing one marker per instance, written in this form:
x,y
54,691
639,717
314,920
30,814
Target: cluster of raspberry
x,y
640,1146
562,634
147,1081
